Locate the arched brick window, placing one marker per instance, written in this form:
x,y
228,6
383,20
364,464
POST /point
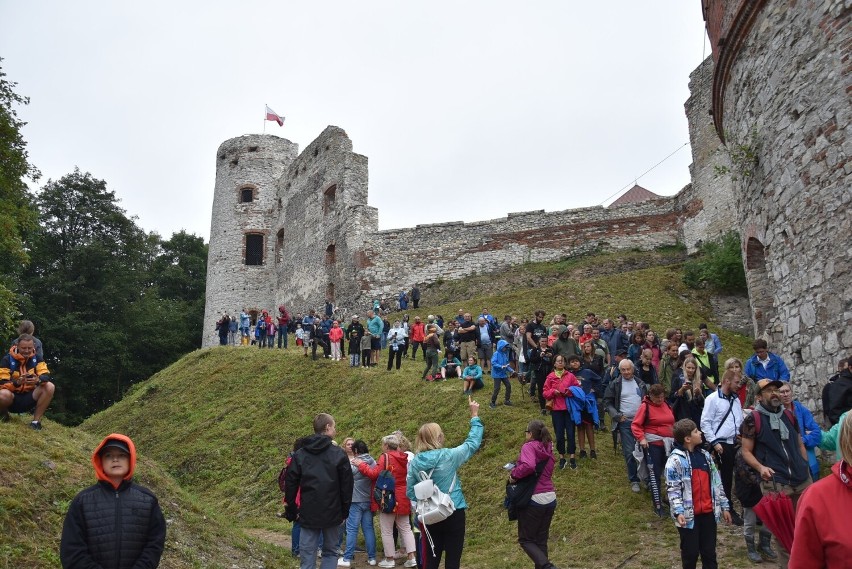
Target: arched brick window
x,y
330,255
757,277
329,292
254,246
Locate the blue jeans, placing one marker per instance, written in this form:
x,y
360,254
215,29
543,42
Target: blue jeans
x,y
294,538
309,541
627,444
360,515
282,338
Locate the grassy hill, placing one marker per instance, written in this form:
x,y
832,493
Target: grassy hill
x,y
41,472
214,429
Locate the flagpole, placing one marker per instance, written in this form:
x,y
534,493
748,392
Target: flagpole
x,y
264,119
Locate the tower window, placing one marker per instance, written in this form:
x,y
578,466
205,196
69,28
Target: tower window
x,y
254,249
330,255
246,195
279,246
328,198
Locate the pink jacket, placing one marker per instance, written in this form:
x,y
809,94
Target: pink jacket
x,y
553,384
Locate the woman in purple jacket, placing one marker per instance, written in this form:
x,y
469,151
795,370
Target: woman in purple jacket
x,y
534,520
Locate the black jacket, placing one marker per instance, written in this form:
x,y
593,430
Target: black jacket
x,y
837,397
113,529
321,471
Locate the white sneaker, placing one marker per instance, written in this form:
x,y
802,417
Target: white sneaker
x,y
410,563
386,563
371,562
343,563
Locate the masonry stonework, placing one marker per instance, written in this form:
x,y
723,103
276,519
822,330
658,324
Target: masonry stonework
x,y
781,101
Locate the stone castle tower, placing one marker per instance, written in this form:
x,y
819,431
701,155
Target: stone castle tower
x,y
281,221
294,228
782,81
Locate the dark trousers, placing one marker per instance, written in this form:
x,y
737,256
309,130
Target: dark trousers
x,y
414,345
282,338
537,387
657,454
448,537
394,354
726,468
563,427
534,531
699,541
501,381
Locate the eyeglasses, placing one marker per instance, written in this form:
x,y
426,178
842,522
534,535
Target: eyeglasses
x,y
527,431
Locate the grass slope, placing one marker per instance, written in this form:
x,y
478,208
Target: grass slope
x,y
221,421
41,472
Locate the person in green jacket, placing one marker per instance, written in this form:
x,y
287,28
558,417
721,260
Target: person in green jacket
x,y
831,437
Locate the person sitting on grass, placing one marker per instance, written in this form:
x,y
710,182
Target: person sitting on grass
x,y
696,497
25,382
115,523
450,366
472,376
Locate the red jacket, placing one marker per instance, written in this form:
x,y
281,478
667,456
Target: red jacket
x,y
553,384
398,461
418,332
821,538
654,419
335,334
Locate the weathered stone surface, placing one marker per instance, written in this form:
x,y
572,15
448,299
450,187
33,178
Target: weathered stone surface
x,y
782,85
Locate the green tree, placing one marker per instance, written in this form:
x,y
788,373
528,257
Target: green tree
x,y
89,266
17,213
113,304
718,265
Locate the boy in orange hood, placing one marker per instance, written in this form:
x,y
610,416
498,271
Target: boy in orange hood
x,y
114,524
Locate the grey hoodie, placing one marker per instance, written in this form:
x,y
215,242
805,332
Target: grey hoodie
x,y
362,490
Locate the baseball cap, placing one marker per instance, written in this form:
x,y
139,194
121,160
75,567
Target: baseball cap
x,y
115,443
764,383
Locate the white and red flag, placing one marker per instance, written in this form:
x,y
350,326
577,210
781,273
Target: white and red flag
x,y
273,116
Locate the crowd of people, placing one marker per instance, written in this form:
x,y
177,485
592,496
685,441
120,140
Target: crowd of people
x,y
696,429
328,488
678,409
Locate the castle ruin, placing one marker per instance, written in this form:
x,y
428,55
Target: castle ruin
x,y
294,228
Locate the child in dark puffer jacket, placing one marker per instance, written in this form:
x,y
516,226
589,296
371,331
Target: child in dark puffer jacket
x,y
114,524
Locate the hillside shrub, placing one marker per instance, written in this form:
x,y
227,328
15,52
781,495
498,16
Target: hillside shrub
x,y
719,265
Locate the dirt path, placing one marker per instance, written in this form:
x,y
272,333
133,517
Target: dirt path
x,y
283,540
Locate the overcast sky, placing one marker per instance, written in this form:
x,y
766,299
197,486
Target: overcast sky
x,y
466,110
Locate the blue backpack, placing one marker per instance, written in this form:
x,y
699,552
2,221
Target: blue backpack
x,y
384,492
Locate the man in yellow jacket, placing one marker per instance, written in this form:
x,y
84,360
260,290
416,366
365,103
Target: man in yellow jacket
x,y
25,382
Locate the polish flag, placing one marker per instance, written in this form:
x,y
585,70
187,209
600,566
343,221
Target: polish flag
x,y
273,116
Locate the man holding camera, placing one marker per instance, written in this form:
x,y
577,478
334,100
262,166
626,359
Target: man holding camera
x,y
25,382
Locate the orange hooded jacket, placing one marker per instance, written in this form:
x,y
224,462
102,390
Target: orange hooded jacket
x,y
96,459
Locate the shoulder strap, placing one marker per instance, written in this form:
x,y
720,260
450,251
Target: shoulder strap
x,y
730,408
756,415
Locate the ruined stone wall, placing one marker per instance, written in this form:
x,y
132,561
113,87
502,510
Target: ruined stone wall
x,y
787,101
708,202
322,223
253,162
399,258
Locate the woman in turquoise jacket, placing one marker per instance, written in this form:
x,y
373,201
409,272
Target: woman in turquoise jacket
x,y
472,376
442,464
